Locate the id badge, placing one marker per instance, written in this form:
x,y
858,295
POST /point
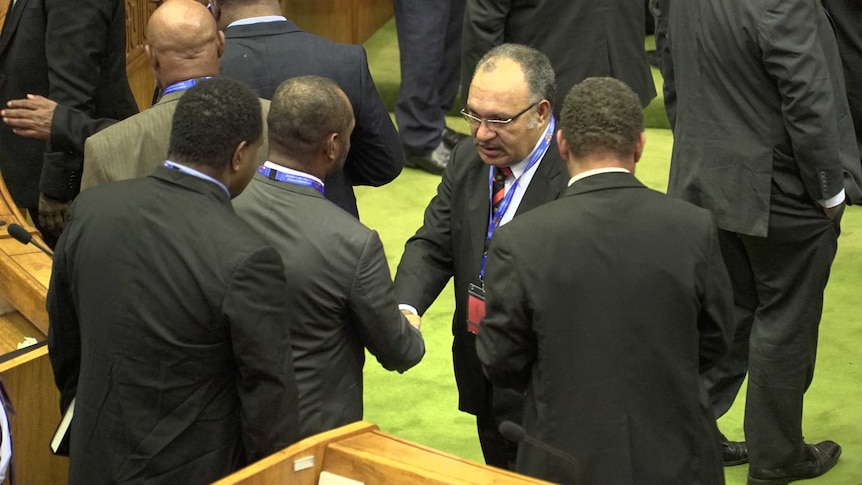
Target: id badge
x,y
475,308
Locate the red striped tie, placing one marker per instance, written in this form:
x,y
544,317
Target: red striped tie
x,y
499,185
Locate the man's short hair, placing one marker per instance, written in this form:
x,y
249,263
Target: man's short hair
x,y
304,111
538,73
211,120
602,115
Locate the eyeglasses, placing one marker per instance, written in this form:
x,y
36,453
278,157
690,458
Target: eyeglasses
x,y
493,125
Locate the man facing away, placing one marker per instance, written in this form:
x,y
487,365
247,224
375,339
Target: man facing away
x,y
511,151
763,141
339,288
167,312
607,328
184,47
264,49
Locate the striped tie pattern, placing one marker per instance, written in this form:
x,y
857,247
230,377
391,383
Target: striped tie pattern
x,y
499,185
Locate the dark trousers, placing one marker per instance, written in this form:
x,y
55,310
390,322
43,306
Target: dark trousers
x,y
778,287
497,450
429,38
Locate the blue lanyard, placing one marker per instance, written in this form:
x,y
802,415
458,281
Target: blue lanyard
x,y
195,173
494,217
290,178
183,85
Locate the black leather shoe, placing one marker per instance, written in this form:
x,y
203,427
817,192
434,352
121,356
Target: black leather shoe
x,y
434,162
452,137
733,452
820,458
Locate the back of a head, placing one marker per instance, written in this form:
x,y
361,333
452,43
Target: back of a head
x,y
538,73
211,120
602,116
304,112
184,37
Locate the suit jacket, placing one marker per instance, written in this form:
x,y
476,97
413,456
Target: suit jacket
x,y
450,244
340,295
266,54
581,38
75,54
757,118
134,147
607,328
166,323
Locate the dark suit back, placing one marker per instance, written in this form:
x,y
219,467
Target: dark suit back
x,y
582,38
607,327
756,106
171,307
266,54
451,242
47,48
340,297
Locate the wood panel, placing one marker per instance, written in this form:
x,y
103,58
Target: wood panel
x,y
138,68
30,384
361,451
347,21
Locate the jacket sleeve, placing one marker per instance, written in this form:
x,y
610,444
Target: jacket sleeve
x,y
385,332
64,333
793,56
376,156
254,307
76,42
506,344
70,128
427,263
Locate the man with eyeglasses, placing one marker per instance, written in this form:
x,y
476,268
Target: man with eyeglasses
x,y
509,166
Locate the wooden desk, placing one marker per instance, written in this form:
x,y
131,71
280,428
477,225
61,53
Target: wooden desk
x,y
361,451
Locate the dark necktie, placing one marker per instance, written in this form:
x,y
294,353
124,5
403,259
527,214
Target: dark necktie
x,y
499,186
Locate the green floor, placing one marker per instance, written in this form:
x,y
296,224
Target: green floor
x,y
421,405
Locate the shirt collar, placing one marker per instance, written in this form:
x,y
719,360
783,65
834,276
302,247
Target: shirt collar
x,y
258,20
194,173
596,171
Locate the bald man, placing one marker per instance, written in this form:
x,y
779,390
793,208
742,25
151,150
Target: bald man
x,y
183,46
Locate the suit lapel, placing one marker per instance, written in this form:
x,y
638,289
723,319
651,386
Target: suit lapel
x,y
547,183
13,17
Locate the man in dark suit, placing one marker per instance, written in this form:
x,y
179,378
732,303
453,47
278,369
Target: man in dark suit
x,y
759,142
339,287
429,46
606,328
166,312
73,53
264,48
512,125
581,38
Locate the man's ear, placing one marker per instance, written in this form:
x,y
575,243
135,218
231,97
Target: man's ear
x,y
238,156
151,56
639,147
563,146
543,110
220,43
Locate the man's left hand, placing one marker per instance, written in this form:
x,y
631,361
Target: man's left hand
x,y
31,117
52,214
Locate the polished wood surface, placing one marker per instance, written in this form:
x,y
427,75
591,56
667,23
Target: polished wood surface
x,y
347,21
30,384
138,69
360,451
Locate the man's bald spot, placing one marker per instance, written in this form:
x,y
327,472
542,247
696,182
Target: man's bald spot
x,y
181,28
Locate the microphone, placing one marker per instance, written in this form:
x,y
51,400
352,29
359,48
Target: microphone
x,y
22,236
515,432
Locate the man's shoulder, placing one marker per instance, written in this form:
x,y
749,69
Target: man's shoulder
x,y
156,118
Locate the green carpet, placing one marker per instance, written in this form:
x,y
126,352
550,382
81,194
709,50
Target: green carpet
x,y
421,405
